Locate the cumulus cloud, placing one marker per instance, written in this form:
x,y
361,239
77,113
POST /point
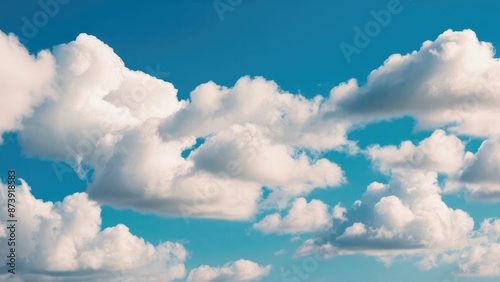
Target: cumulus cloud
x,y
129,133
118,122
405,216
339,212
408,216
409,213
126,131
302,217
440,152
450,82
24,81
247,153
64,240
445,153
150,175
284,117
97,100
240,270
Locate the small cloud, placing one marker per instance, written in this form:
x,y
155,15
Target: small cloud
x,y
280,252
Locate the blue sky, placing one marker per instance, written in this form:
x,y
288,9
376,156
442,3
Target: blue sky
x,y
296,45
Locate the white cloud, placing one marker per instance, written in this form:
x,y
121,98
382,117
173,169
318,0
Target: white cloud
x,y
81,105
339,212
240,270
440,152
280,252
374,188
152,176
453,85
302,217
356,229
24,81
445,153
480,257
284,117
450,81
406,216
411,214
392,213
64,239
483,258
130,129
97,101
246,153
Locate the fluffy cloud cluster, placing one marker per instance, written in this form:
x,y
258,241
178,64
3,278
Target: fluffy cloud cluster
x,y
302,217
445,153
247,153
65,240
131,130
451,81
283,117
440,152
128,131
240,270
130,134
407,215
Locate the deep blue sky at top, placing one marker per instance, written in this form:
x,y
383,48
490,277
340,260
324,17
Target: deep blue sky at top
x,y
295,43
